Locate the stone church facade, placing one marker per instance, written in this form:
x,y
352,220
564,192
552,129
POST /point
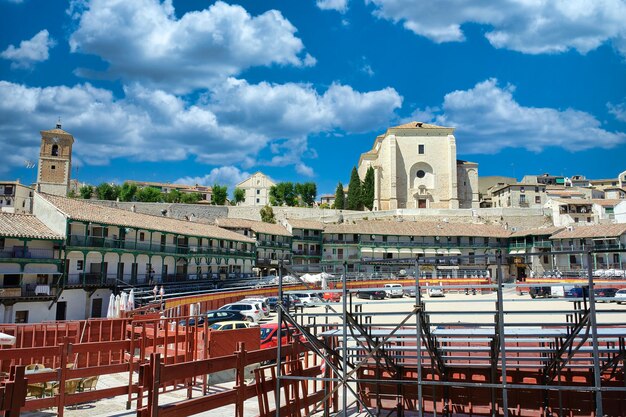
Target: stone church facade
x,y
55,161
415,166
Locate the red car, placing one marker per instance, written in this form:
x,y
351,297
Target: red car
x,y
333,297
269,335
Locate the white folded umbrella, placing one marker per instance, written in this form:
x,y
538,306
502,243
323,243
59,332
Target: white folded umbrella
x,y
6,339
111,309
131,301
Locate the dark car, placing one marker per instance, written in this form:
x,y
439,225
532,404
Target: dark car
x,y
289,301
215,316
605,293
540,292
577,292
371,294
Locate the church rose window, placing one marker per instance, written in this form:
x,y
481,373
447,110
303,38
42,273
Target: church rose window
x,y
420,174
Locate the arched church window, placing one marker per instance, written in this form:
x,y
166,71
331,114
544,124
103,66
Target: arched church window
x,y
420,174
55,150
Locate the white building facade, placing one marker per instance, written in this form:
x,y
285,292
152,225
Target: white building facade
x,y
257,189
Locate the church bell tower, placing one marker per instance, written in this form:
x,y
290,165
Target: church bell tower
x,y
55,161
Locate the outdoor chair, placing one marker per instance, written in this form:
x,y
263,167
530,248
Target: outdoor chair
x,y
88,384
71,386
35,390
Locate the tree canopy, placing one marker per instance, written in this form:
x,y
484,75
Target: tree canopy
x,y
267,214
128,191
339,197
367,192
219,195
149,195
85,191
283,193
307,192
239,195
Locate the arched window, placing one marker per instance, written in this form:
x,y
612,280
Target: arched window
x,y
55,150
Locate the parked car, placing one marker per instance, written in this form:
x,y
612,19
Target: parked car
x,y
230,325
435,292
540,292
333,297
577,292
371,294
262,302
607,293
192,321
620,296
289,301
393,290
409,292
269,334
309,299
216,316
251,310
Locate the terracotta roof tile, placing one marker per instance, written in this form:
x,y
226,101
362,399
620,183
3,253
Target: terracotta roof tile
x,y
606,202
305,224
25,226
254,225
86,211
408,228
591,231
541,231
417,125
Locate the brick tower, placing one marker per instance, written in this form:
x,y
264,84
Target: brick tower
x,y
55,161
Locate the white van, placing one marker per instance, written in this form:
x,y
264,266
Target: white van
x,y
394,290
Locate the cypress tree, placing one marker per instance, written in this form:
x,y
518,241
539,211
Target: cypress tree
x,y
354,201
339,199
368,189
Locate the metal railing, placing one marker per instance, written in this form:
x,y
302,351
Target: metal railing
x,y
20,252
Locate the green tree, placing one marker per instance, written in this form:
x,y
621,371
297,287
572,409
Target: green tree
x,y
354,200
368,189
307,192
340,202
128,191
149,195
267,214
85,191
173,196
106,191
219,195
283,193
71,194
239,195
190,198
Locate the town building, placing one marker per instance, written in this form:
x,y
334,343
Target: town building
x,y
535,240
30,266
273,242
306,243
520,195
486,184
570,211
257,189
615,193
415,166
15,197
55,161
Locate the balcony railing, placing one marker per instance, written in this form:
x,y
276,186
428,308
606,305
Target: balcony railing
x,y
433,244
108,243
308,238
19,252
27,290
556,246
307,253
273,244
95,279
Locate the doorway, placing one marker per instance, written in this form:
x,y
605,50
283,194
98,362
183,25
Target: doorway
x,y
96,308
421,203
61,310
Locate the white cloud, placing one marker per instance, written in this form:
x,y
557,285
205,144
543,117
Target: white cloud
x,y
226,175
488,119
618,111
528,26
144,41
30,51
339,5
231,124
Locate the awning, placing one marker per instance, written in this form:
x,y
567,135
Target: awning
x,y
455,252
405,253
517,251
417,251
367,250
10,269
379,250
430,251
40,269
442,251
392,250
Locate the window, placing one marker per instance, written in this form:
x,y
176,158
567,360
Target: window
x,y
79,265
536,189
258,200
588,219
471,240
420,174
572,259
21,316
546,259
537,199
142,236
420,149
616,258
258,192
1,243
53,167
522,199
522,190
575,219
55,150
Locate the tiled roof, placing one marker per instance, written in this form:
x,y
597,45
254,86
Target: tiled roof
x,y
607,202
57,131
591,231
542,231
574,201
305,224
407,228
83,210
25,226
254,225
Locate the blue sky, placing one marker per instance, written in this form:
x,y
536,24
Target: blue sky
x,y
206,92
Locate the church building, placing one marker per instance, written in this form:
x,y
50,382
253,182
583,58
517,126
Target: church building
x,y
55,161
415,166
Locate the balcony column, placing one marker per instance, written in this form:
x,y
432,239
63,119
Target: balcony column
x,y
84,266
151,232
136,236
102,272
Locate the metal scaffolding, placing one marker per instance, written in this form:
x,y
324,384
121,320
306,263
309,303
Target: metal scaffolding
x,y
416,361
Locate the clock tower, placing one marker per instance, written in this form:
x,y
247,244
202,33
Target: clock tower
x,y
55,161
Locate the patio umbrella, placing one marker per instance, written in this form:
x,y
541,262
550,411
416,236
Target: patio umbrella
x,y
6,339
123,301
131,301
192,309
117,305
111,309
